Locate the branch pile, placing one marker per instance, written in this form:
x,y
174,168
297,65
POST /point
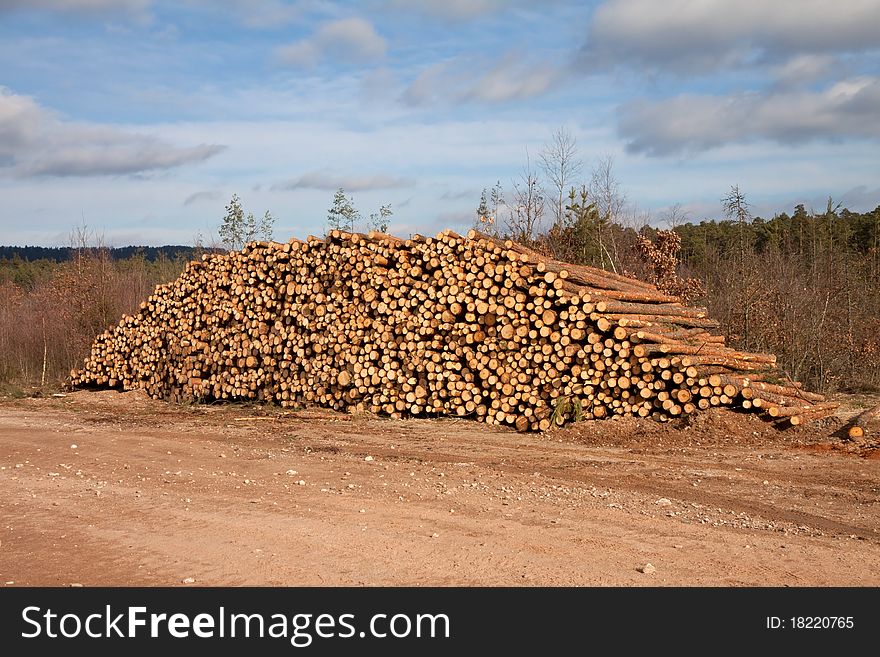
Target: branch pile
x,y
471,327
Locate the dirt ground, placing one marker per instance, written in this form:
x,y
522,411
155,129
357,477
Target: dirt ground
x,y
106,488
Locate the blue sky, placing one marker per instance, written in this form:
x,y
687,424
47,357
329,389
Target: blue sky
x,y
140,118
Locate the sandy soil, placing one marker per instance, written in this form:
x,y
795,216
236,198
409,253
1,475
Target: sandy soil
x,y
103,488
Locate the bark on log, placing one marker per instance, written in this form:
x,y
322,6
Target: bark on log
x,y
859,427
468,327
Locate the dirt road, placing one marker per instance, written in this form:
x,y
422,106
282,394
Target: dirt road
x,y
102,488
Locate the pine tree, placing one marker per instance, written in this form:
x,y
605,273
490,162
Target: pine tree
x,y
266,225
342,214
497,199
236,230
379,220
483,213
233,230
250,228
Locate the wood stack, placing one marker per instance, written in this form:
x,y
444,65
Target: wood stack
x,y
471,327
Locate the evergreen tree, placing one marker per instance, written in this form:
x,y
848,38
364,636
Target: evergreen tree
x,y
342,215
237,229
379,220
233,228
266,225
483,213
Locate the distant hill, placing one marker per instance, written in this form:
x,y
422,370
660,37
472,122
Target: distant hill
x,y
64,253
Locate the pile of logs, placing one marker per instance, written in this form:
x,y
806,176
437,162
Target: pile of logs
x,y
472,327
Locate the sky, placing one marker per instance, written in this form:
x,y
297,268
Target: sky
x,y
141,118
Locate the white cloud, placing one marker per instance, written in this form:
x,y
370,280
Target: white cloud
x,y
687,36
510,78
351,40
805,69
692,123
429,86
328,181
34,142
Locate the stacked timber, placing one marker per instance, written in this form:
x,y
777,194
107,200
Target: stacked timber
x,y
469,327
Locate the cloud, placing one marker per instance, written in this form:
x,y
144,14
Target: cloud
x,y
137,8
428,86
208,195
254,14
861,198
328,181
451,10
512,79
508,79
803,70
457,196
35,142
694,123
265,13
685,36
351,40
379,84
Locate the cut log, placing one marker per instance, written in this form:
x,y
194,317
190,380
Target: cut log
x,y
859,427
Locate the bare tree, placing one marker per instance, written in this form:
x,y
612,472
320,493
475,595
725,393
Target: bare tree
x,y
561,165
610,201
737,208
528,205
605,189
735,205
675,216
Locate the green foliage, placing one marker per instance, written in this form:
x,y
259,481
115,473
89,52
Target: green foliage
x,y
566,409
379,220
580,238
486,217
807,235
803,286
483,211
496,198
342,215
233,228
267,223
236,229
